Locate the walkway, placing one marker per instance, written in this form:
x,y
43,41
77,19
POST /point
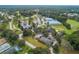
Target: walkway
x,y
30,45
51,50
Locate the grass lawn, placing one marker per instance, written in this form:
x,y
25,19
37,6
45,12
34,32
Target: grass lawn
x,y
63,28
4,26
35,42
58,27
74,24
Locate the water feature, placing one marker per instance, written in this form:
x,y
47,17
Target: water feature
x,y
52,21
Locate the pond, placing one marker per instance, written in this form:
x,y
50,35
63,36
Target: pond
x,y
52,21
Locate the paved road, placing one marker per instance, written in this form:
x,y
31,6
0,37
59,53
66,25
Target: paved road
x,y
21,36
51,50
10,24
14,27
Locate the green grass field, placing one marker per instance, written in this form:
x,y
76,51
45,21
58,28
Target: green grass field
x,y
74,24
35,42
74,27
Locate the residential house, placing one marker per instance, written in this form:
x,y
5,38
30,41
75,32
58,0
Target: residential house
x,y
50,40
43,39
25,25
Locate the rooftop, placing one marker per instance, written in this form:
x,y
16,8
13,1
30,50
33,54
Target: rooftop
x,y
5,47
25,25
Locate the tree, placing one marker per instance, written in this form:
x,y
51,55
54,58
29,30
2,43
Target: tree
x,y
68,26
74,40
56,49
10,36
27,32
31,20
22,43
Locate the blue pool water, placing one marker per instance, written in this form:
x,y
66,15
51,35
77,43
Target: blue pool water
x,y
52,21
